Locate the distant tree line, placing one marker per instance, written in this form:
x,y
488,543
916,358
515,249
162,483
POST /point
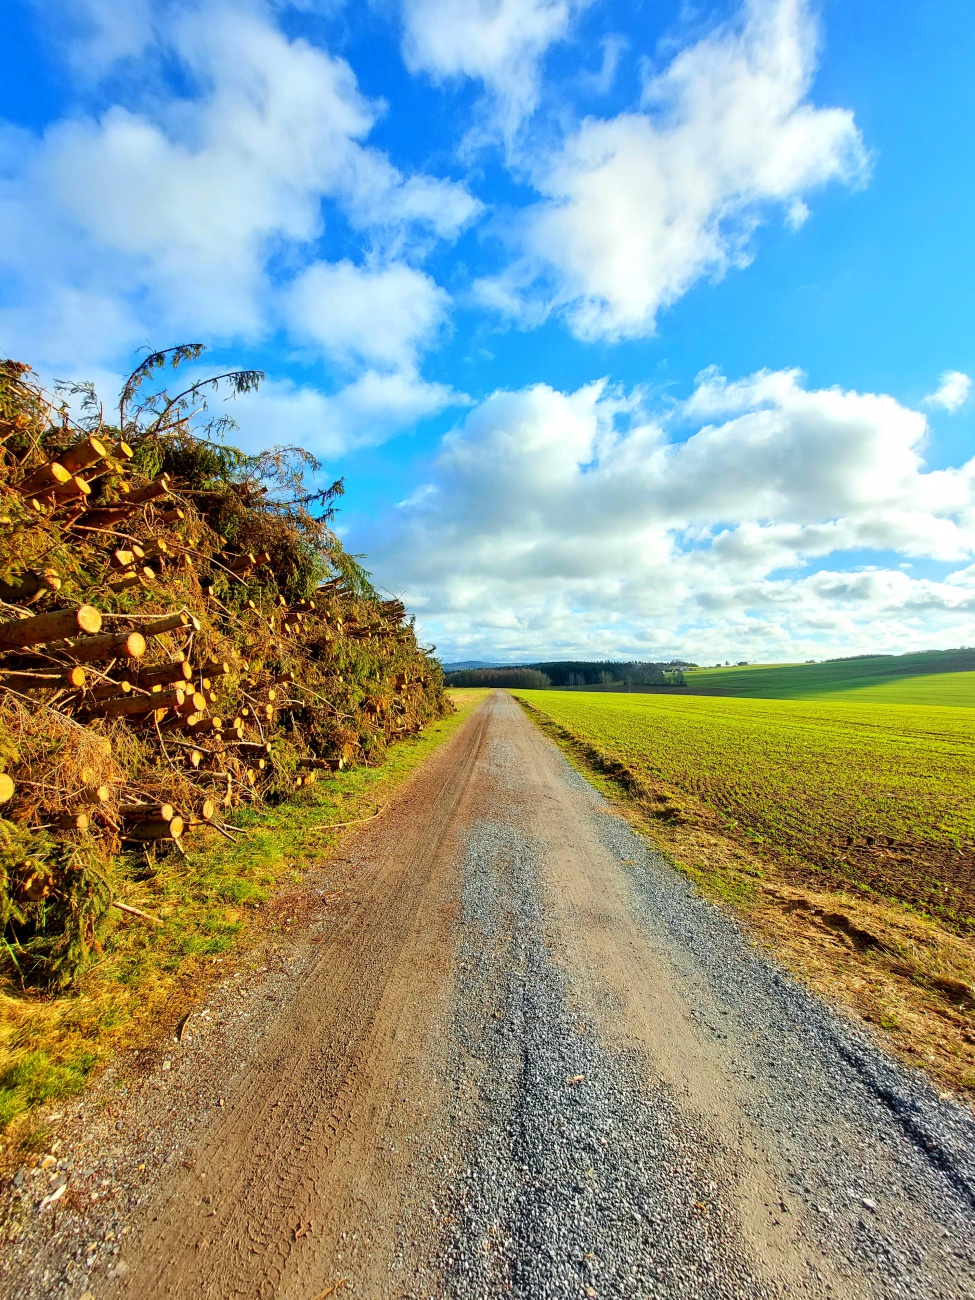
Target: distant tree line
x,y
526,679
956,660
633,673
573,673
848,659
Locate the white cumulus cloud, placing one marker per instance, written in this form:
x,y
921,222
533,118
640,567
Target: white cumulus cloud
x,y
572,522
380,316
638,207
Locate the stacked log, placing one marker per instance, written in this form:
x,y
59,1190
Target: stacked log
x,y
43,629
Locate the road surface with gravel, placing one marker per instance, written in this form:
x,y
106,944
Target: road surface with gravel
x,y
507,1052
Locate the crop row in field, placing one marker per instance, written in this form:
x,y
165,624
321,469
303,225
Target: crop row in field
x,y
882,796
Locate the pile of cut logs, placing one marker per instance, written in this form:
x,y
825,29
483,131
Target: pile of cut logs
x,y
153,676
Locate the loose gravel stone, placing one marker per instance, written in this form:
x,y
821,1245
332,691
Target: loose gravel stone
x,y
581,1182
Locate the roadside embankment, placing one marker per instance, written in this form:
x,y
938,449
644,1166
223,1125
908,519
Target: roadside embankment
x,y
185,647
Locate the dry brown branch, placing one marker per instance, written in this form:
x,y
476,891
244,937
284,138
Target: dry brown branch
x,y
136,911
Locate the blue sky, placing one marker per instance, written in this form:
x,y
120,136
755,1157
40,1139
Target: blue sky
x,y
636,329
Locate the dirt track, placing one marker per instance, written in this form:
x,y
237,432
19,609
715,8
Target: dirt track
x,y
520,1057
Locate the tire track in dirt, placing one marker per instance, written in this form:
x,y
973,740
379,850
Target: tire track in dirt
x,y
299,1159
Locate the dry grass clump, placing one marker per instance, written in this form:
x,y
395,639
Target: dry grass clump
x,y
181,635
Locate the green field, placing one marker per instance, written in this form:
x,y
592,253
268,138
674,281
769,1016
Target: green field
x,y
875,794
929,677
954,690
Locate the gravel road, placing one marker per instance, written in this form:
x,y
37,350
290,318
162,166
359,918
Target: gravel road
x,y
508,1053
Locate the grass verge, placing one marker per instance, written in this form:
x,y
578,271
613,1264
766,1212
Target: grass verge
x,y
212,906
909,977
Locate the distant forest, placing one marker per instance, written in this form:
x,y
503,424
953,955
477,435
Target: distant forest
x,y
526,679
573,672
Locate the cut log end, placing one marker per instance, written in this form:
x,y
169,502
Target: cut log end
x,y
149,831
125,645
140,812
46,477
57,625
71,821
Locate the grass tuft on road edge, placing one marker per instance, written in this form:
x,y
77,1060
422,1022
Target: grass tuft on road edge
x,y
211,903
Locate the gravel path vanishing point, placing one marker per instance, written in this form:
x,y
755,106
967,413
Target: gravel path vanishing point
x,y
511,1053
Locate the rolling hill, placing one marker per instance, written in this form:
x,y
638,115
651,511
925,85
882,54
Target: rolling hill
x,y
926,677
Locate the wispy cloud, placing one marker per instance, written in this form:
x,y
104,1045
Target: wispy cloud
x,y
500,43
366,412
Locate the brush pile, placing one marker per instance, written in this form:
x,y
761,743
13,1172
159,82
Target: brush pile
x,y
181,634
